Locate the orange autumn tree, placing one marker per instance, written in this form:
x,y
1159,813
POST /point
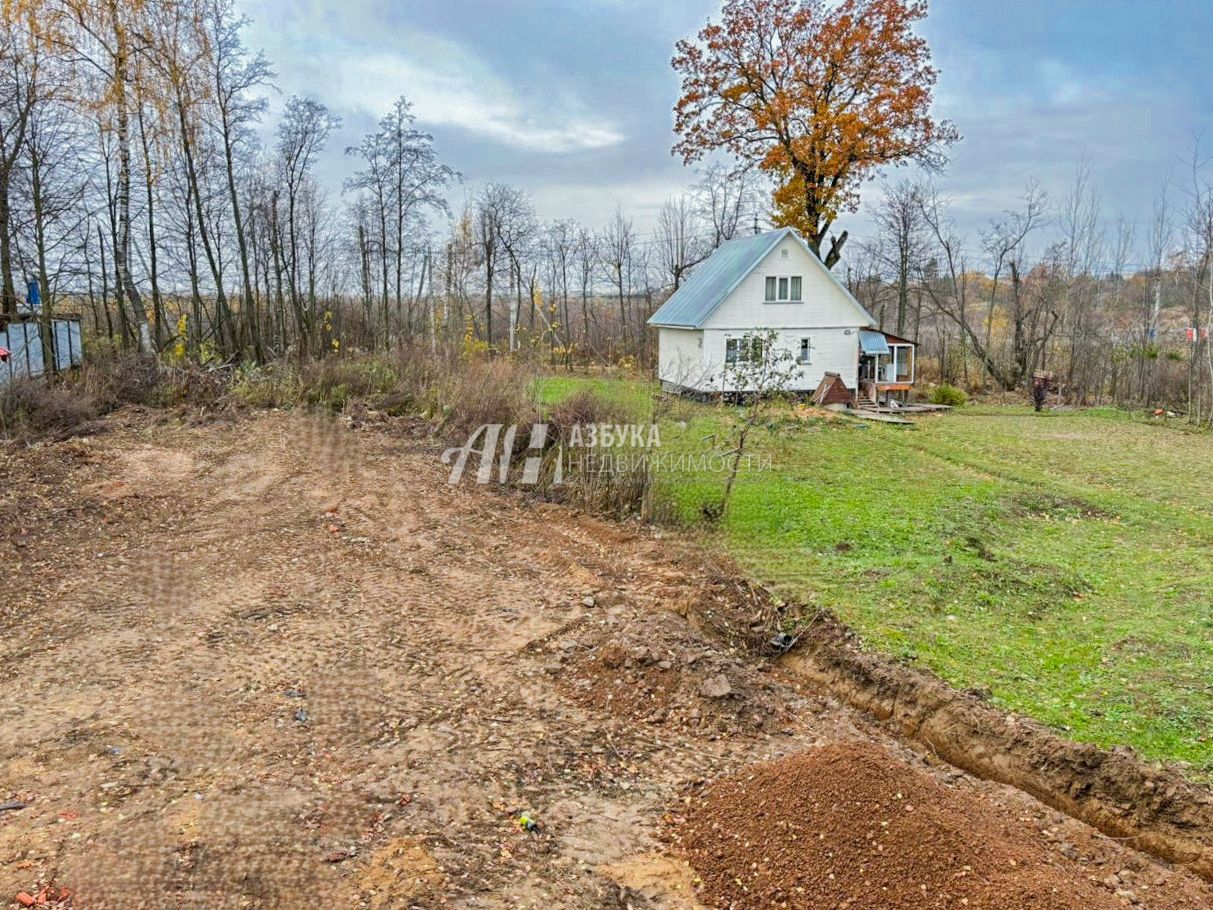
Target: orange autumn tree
x,y
817,95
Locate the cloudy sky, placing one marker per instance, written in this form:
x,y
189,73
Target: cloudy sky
x,y
571,99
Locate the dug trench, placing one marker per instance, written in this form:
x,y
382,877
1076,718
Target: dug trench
x,y
1153,807
273,661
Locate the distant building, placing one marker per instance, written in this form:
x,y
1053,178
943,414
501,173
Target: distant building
x,y
774,282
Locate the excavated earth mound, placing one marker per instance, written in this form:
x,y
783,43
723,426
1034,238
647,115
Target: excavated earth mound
x,y
850,826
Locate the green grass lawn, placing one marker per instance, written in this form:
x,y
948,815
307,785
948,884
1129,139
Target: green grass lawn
x,y
1061,561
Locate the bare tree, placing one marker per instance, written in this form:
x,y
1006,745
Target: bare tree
x,y
585,259
302,133
615,250
20,58
726,199
504,221
237,77
1003,243
1083,245
899,220
104,36
679,239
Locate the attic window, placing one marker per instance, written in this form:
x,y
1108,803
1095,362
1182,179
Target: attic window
x,y
783,289
783,253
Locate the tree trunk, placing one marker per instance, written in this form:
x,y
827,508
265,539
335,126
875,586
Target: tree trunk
x,y
223,327
252,317
122,248
154,276
8,288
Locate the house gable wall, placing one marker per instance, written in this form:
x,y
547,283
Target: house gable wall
x,y
824,305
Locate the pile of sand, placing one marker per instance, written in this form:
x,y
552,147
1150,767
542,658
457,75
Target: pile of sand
x,y
851,826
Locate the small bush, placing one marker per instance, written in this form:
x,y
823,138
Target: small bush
x,y
622,486
586,408
272,386
192,385
335,382
122,379
949,395
31,407
492,392
625,490
420,376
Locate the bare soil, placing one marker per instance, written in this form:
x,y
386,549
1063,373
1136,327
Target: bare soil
x,y
848,824
277,662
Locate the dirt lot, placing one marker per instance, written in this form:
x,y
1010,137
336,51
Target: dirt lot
x,y
275,662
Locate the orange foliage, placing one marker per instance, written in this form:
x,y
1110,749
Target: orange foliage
x,y
818,95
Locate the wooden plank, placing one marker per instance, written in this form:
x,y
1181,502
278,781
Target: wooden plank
x,y
865,414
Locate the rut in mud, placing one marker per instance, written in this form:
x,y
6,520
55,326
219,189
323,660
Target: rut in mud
x,y
272,662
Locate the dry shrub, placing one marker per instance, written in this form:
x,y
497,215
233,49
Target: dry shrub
x,y
68,404
335,382
619,486
34,407
194,386
274,385
121,379
586,408
624,490
486,392
65,405
420,375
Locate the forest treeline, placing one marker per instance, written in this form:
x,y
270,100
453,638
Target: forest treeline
x,y
142,184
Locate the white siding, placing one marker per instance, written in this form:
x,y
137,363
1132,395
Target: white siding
x,y
680,358
833,351
825,315
824,305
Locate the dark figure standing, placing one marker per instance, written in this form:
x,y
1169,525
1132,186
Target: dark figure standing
x,y
1042,384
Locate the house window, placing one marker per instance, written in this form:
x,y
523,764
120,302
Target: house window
x,y
806,349
743,350
783,254
783,289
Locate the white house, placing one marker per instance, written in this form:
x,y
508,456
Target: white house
x,y
774,282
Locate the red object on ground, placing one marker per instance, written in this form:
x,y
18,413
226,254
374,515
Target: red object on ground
x,y
3,355
24,899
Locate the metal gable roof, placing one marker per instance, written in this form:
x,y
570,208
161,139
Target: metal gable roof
x,y
720,274
714,279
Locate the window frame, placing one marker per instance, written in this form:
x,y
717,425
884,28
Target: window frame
x,y
744,349
777,284
804,351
